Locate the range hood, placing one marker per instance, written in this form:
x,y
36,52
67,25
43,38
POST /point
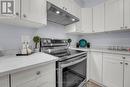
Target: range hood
x,y
59,16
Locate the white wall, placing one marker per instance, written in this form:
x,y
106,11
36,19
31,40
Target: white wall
x,y
109,39
10,36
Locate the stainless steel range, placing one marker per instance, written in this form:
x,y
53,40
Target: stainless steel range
x,y
71,66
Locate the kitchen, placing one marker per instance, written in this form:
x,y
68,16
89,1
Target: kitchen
x,y
102,23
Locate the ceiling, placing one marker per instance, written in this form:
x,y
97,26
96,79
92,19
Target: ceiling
x,y
89,3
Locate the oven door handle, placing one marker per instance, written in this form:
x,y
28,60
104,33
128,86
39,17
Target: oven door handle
x,y
72,63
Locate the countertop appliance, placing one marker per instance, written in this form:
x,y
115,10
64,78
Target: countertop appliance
x,y
71,66
59,16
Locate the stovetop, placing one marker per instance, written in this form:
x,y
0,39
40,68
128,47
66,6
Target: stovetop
x,y
67,54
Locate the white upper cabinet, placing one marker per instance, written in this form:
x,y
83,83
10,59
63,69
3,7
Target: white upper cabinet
x,y
127,14
96,66
112,70
98,18
15,13
34,11
113,15
30,13
87,20
4,81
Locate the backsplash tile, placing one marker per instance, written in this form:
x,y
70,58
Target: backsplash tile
x,y
108,39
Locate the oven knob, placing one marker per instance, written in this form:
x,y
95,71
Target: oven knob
x,y
48,41
45,41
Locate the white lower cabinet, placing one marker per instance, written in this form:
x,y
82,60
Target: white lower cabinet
x,y
127,72
96,66
4,81
112,70
43,76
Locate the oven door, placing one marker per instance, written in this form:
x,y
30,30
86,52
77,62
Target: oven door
x,y
72,74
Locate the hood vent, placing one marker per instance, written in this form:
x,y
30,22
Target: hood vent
x,y
59,16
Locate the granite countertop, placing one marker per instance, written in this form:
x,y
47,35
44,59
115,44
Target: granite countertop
x,y
11,64
103,50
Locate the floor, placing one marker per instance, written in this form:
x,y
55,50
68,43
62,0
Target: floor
x,y
91,84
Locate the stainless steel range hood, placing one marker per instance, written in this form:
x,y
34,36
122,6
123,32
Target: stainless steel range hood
x,y
59,16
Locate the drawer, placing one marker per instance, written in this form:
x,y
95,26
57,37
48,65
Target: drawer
x,y
113,56
23,78
35,76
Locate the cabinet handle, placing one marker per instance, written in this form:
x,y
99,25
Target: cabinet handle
x,y
126,63
38,73
17,13
24,16
123,57
121,62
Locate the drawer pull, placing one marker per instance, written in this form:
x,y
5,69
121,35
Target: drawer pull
x,y
126,63
38,73
123,57
17,13
121,62
24,16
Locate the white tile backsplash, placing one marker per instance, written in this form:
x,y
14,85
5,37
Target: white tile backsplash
x,y
10,36
109,39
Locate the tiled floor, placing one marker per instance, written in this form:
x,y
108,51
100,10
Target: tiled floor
x,y
91,84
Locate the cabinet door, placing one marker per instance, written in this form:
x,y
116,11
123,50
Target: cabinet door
x,y
112,71
127,74
96,67
87,20
113,15
25,78
127,14
4,81
47,78
34,11
44,80
42,76
16,10
98,18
